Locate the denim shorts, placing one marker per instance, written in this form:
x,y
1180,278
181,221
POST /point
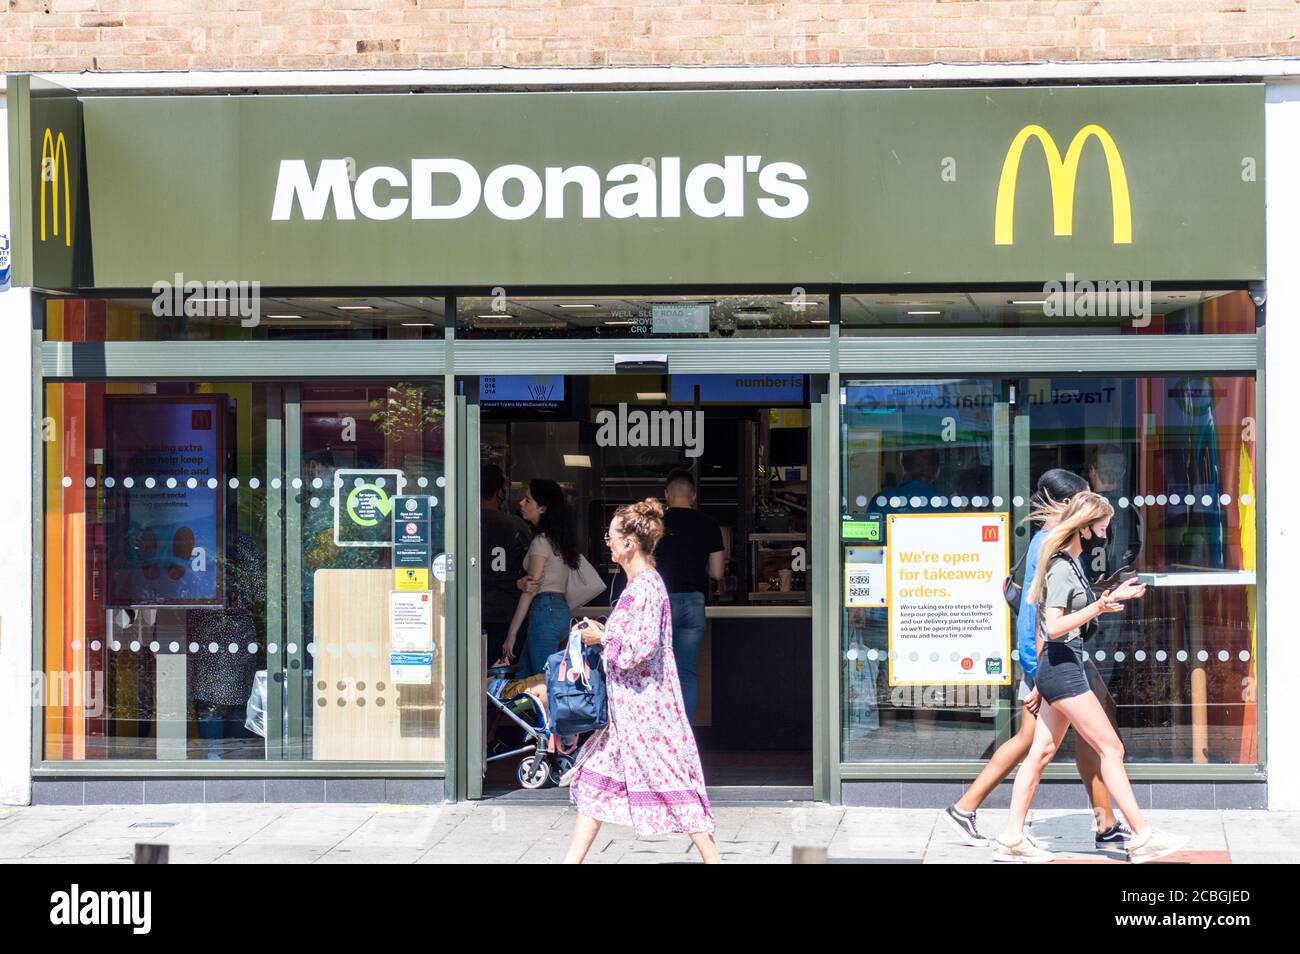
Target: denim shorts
x,y
1060,672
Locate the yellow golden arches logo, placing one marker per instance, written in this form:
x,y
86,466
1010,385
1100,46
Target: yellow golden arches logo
x,y
54,152
1062,174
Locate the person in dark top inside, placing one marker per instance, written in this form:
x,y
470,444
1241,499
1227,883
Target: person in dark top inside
x,y
504,541
688,556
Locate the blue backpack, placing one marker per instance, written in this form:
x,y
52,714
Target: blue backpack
x,y
575,689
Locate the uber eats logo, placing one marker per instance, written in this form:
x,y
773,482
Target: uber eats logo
x,y
448,188
1063,173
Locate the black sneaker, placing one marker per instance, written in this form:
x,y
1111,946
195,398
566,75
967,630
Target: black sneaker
x,y
1117,835
964,823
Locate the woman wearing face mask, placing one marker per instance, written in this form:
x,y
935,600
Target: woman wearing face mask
x,y
1055,489
551,555
1067,606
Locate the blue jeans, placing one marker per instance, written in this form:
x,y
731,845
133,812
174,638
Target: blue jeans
x,y
688,633
548,627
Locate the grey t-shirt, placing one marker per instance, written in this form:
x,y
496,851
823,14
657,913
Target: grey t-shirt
x,y
1064,589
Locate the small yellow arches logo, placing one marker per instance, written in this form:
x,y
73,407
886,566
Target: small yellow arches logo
x,y
54,154
1063,173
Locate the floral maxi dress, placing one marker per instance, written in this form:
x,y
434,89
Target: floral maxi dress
x,y
643,770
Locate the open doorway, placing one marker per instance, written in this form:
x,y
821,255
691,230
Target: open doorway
x,y
738,450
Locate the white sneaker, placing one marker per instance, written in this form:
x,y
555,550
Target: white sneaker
x,y
1155,844
1022,850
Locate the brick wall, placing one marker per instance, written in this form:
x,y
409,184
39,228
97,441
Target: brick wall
x,y
49,35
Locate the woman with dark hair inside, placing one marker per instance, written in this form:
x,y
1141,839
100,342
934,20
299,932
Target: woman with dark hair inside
x,y
1067,607
1055,489
642,769
551,555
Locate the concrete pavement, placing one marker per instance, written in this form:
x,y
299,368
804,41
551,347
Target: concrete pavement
x,y
488,832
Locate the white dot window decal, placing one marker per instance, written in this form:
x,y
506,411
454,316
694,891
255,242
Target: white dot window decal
x,y
213,648
272,648
433,501
95,645
1223,655
233,483
90,481
192,483
1019,501
442,481
1202,656
67,481
359,482
171,483
1140,655
997,501
174,647
1123,503
297,483
1119,655
194,647
851,654
1245,500
1182,655
212,483
254,483
1015,655
315,501
860,500
882,501
115,646
1225,499
934,657
872,655
233,648
275,483
128,482
1161,655
381,482
1244,655
291,648
913,656
918,501
895,502
76,644
150,482
154,646
252,647
1189,499
110,482
1161,499
1206,500
936,501
318,483
135,646
1100,654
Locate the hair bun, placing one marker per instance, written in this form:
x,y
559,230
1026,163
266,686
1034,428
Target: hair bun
x,y
650,507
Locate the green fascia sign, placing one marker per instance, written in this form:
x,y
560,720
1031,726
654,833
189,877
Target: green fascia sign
x,y
1161,183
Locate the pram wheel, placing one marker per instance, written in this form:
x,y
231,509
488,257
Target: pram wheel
x,y
559,765
533,772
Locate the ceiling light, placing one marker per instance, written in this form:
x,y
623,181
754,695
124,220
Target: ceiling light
x,y
355,307
284,316
1035,301
577,460
925,313
651,396
575,305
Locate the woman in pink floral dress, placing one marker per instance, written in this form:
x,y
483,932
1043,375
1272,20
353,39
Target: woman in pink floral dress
x,y
643,769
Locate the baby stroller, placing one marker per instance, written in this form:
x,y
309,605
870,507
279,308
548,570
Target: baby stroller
x,y
520,702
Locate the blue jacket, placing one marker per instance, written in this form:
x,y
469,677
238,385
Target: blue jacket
x,y
1027,617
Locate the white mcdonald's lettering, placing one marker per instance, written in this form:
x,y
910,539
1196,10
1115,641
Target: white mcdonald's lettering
x,y
513,191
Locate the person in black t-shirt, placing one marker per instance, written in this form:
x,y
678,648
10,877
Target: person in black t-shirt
x,y
688,556
504,541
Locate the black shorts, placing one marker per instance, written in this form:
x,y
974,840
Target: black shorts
x,y
1060,672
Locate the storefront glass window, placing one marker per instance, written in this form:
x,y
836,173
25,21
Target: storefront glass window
x,y
174,628
241,313
1082,308
1174,454
796,314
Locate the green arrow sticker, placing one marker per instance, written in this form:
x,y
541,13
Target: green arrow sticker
x,y
367,503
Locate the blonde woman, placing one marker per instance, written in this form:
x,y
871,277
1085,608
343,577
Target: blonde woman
x,y
1067,607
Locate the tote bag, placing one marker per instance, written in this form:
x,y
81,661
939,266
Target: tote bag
x,y
584,584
